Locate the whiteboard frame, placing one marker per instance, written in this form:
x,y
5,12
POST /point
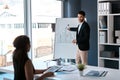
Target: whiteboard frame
x,y
73,56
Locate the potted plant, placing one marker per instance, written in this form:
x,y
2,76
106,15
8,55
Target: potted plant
x,y
81,67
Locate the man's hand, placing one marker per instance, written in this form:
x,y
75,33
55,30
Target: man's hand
x,y
68,28
74,41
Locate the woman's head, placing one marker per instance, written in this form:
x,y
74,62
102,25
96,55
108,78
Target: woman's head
x,y
22,43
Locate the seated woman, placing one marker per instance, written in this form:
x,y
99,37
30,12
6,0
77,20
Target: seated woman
x,y
23,67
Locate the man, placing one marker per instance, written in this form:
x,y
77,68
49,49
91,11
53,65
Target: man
x,y
82,38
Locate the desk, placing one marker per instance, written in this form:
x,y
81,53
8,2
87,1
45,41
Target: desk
x,y
112,74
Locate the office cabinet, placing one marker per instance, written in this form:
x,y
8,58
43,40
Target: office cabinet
x,y
108,33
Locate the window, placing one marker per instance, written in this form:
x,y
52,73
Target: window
x,y
11,25
44,14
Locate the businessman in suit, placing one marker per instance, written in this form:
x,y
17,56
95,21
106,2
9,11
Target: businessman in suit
x,y
82,38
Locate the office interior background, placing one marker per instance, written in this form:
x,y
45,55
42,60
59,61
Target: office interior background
x,y
36,18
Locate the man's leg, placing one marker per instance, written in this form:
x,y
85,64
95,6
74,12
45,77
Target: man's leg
x,y
84,56
78,59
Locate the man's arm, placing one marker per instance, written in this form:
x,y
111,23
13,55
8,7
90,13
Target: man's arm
x,y
72,29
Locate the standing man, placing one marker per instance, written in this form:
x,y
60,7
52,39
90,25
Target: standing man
x,y
82,38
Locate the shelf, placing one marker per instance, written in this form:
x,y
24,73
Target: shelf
x,y
103,29
103,14
114,14
113,44
116,59
107,0
108,22
117,14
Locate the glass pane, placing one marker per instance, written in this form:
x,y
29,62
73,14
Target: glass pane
x,y
44,14
11,25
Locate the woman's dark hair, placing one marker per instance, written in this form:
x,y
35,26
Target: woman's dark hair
x,y
21,44
82,13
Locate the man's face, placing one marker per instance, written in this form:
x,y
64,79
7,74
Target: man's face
x,y
81,18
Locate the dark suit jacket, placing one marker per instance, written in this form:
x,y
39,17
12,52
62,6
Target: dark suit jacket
x,y
83,36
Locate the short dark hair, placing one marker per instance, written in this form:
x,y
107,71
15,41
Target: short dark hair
x,y
82,13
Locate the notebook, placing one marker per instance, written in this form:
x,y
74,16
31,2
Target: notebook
x,y
95,73
67,68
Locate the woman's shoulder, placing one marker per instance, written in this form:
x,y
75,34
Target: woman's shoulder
x,y
28,64
28,61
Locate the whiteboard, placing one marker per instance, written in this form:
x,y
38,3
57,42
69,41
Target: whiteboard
x,y
64,48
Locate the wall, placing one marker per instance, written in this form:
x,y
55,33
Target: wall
x,y
71,7
90,7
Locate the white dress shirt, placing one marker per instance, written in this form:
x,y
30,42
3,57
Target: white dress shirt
x,y
79,27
